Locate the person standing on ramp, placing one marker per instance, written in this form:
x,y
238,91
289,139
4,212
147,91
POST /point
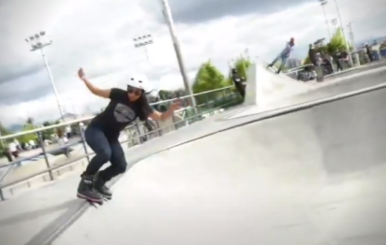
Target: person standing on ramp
x,y
103,131
284,55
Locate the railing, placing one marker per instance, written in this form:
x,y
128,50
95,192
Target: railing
x,y
207,103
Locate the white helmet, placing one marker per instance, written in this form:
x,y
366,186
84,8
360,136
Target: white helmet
x,y
153,94
138,81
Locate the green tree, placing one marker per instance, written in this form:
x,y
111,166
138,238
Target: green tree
x,y
47,133
208,78
30,121
59,129
165,94
3,132
242,65
27,127
337,43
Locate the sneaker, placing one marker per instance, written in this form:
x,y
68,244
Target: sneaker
x,y
100,186
86,190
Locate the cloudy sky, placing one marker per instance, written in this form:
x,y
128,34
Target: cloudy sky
x,y
98,35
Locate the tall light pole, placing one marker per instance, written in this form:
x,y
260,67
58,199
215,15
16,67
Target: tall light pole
x,y
351,33
169,20
324,3
142,42
343,32
37,44
352,37
334,22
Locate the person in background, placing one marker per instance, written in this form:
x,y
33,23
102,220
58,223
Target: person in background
x,y
369,52
81,126
68,132
337,58
32,144
327,64
62,141
17,144
312,54
47,142
345,58
12,147
284,55
313,58
238,82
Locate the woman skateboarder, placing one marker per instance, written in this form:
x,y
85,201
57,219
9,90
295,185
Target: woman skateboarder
x,y
103,131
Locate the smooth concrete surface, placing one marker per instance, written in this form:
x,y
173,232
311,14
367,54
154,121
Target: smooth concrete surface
x,y
356,70
344,84
265,87
267,90
312,177
32,218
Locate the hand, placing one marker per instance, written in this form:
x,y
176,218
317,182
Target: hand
x,y
81,74
177,104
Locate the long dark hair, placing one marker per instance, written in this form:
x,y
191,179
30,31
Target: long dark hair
x,y
143,102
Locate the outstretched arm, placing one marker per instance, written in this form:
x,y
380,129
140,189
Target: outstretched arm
x,y
104,93
161,116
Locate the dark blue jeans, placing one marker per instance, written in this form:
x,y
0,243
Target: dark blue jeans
x,y
283,60
106,150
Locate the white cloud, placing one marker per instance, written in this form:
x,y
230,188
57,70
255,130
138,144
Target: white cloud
x,y
97,35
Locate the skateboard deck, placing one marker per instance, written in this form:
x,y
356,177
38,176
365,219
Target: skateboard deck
x,y
95,204
272,69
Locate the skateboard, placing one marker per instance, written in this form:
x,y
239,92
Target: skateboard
x,y
272,69
106,198
96,204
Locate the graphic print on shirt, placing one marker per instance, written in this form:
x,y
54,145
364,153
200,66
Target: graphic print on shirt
x,y
123,113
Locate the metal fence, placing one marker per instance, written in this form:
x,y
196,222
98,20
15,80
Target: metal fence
x,y
56,157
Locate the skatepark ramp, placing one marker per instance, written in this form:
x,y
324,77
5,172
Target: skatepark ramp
x,y
309,175
265,87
